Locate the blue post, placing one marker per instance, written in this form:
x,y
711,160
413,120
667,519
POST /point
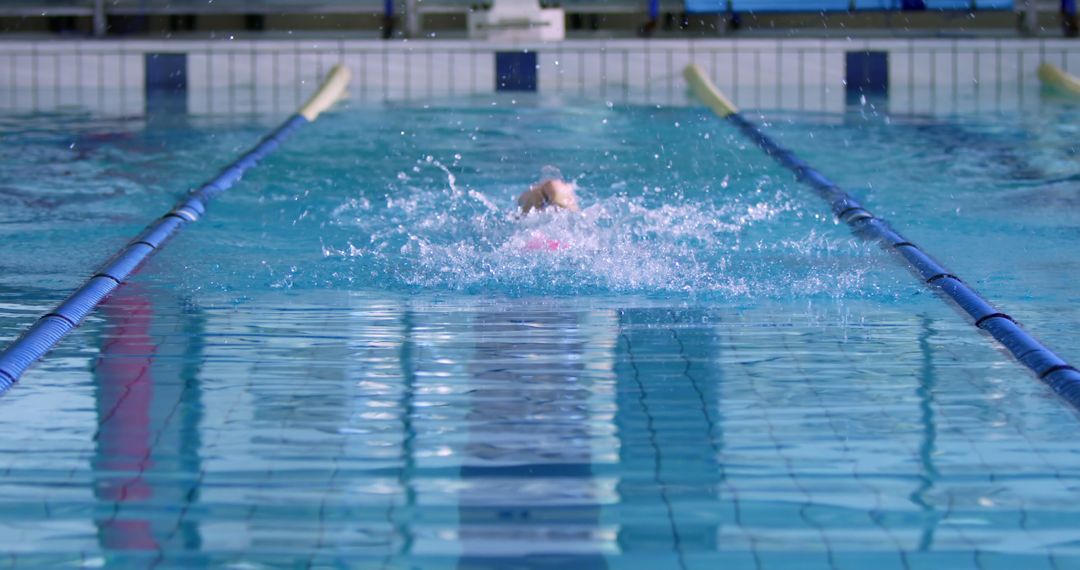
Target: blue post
x,y
1069,19
388,19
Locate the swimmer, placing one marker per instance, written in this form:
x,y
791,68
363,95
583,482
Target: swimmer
x,y
549,192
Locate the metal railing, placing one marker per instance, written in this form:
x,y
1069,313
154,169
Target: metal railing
x,y
99,10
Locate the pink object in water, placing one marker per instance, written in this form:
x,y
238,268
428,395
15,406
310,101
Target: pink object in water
x,y
539,242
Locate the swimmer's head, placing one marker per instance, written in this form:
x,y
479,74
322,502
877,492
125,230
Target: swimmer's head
x,y
550,192
561,194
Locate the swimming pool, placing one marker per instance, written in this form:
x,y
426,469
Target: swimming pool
x,y
356,360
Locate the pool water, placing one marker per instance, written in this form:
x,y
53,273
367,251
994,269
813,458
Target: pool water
x,y
359,358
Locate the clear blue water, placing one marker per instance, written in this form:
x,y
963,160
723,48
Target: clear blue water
x,y
356,361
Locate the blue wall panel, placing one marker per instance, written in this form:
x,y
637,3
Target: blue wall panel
x,y
877,5
166,83
166,71
791,5
867,73
966,4
515,71
839,5
705,6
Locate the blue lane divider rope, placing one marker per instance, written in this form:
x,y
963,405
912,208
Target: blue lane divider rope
x,y
1062,377
44,334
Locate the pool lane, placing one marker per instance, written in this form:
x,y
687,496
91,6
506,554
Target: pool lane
x,y
1061,376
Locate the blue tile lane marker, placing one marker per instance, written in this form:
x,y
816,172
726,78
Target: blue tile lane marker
x,y
515,71
1062,377
166,72
866,73
166,83
44,334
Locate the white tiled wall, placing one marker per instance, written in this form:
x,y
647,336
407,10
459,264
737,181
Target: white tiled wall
x,y
228,77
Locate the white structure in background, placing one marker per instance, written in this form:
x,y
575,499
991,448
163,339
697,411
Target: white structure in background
x,y
1029,11
518,20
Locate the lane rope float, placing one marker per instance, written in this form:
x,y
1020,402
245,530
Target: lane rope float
x,y
1062,377
49,329
1052,76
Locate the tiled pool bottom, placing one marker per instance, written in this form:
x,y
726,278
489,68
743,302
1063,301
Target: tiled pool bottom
x,y
334,429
